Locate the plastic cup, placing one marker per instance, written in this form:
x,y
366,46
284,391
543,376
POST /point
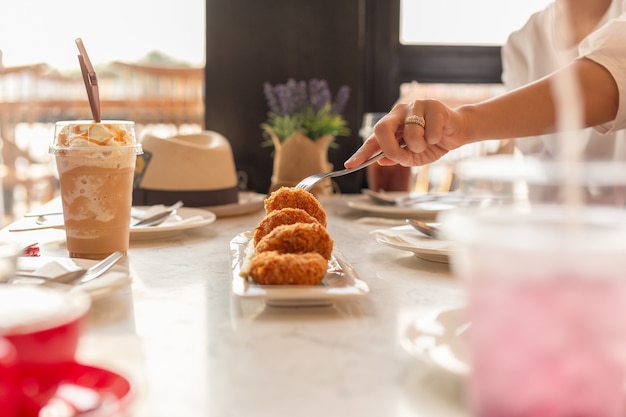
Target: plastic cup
x,y
96,182
39,333
546,295
9,387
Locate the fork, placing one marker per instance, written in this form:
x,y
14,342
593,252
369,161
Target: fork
x,y
310,181
100,268
78,276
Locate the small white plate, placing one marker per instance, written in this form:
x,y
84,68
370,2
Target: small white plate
x,y
249,202
116,277
427,210
184,219
341,281
438,339
408,239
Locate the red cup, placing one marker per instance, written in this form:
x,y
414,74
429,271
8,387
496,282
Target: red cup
x,y
9,391
44,326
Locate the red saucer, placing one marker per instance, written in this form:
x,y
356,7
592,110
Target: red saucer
x,y
88,391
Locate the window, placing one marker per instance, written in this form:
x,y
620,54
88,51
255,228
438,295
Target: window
x,y
446,41
158,83
461,22
450,50
112,30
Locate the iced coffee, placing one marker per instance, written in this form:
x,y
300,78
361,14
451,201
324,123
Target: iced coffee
x,y
96,163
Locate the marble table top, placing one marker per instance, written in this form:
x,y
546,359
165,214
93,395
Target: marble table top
x,y
192,348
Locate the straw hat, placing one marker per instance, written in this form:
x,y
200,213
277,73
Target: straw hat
x,y
198,169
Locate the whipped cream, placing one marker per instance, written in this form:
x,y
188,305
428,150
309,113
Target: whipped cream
x,y
95,134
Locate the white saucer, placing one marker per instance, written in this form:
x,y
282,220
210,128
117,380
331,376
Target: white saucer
x,y
83,386
427,210
184,219
249,202
437,339
115,278
408,239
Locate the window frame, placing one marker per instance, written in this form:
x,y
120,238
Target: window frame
x,y
444,63
449,64
389,63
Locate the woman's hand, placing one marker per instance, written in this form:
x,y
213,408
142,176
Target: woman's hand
x,y
444,129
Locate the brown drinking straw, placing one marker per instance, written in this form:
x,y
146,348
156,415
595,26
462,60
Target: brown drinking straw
x,y
91,81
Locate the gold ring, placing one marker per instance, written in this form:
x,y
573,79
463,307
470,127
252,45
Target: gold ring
x,y
415,120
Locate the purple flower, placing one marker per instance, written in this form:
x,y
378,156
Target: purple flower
x,y
295,97
319,94
283,96
341,99
299,95
270,96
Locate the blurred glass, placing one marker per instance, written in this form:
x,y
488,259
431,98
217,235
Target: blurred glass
x,y
543,269
385,178
519,181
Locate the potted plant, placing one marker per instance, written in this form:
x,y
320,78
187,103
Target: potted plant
x,y
303,122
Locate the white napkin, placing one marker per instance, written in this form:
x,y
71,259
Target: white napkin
x,y
145,212
47,270
176,220
50,267
54,269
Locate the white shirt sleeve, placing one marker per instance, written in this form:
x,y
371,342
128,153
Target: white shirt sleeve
x,y
607,47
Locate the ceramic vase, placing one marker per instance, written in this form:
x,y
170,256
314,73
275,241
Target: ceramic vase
x,y
297,157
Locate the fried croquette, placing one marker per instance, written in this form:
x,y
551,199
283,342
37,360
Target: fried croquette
x,y
295,198
281,217
275,268
298,238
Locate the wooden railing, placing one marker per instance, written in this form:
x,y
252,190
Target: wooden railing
x,y
145,94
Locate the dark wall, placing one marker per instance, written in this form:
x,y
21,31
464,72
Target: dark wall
x,y
251,42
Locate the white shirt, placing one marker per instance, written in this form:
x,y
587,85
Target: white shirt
x,y
530,53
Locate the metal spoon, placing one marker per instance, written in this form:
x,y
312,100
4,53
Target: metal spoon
x,y
426,228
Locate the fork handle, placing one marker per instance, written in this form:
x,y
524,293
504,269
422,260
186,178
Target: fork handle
x,y
370,161
100,268
380,155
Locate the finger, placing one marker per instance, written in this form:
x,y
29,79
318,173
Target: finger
x,y
389,133
435,113
414,138
369,148
414,128
431,154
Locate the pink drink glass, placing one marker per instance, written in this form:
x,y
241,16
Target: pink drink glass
x,y
546,290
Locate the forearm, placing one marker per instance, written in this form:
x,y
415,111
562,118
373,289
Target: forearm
x,y
531,110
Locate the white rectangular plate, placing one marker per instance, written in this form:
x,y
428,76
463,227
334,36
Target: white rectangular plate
x,y
340,283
